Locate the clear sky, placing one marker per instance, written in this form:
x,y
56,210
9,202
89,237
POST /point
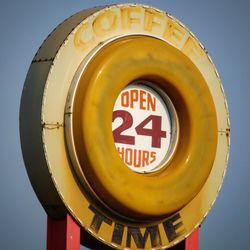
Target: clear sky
x,y
222,26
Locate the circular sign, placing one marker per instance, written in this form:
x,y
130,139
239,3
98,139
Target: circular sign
x,y
129,125
144,127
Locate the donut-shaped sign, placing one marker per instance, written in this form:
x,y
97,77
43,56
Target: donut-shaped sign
x,y
124,125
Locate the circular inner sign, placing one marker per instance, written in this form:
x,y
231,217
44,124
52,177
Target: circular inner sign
x,y
144,127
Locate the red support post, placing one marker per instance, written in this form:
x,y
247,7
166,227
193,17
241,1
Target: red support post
x,y
192,242
63,234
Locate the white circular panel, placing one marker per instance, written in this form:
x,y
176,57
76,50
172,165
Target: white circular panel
x,y
142,127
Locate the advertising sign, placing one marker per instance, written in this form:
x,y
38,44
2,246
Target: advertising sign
x,y
124,125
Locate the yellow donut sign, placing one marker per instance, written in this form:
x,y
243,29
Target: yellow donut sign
x,y
124,125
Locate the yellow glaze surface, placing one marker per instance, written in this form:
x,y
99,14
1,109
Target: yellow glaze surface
x,y
115,66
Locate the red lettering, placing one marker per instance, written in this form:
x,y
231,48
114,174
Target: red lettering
x,y
155,131
136,157
151,103
121,152
143,99
153,157
145,158
127,122
133,97
129,156
125,99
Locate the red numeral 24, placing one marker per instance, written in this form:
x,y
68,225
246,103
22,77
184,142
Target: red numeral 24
x,y
127,122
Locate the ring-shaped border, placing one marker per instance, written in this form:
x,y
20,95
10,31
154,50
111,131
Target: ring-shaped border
x,y
121,63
